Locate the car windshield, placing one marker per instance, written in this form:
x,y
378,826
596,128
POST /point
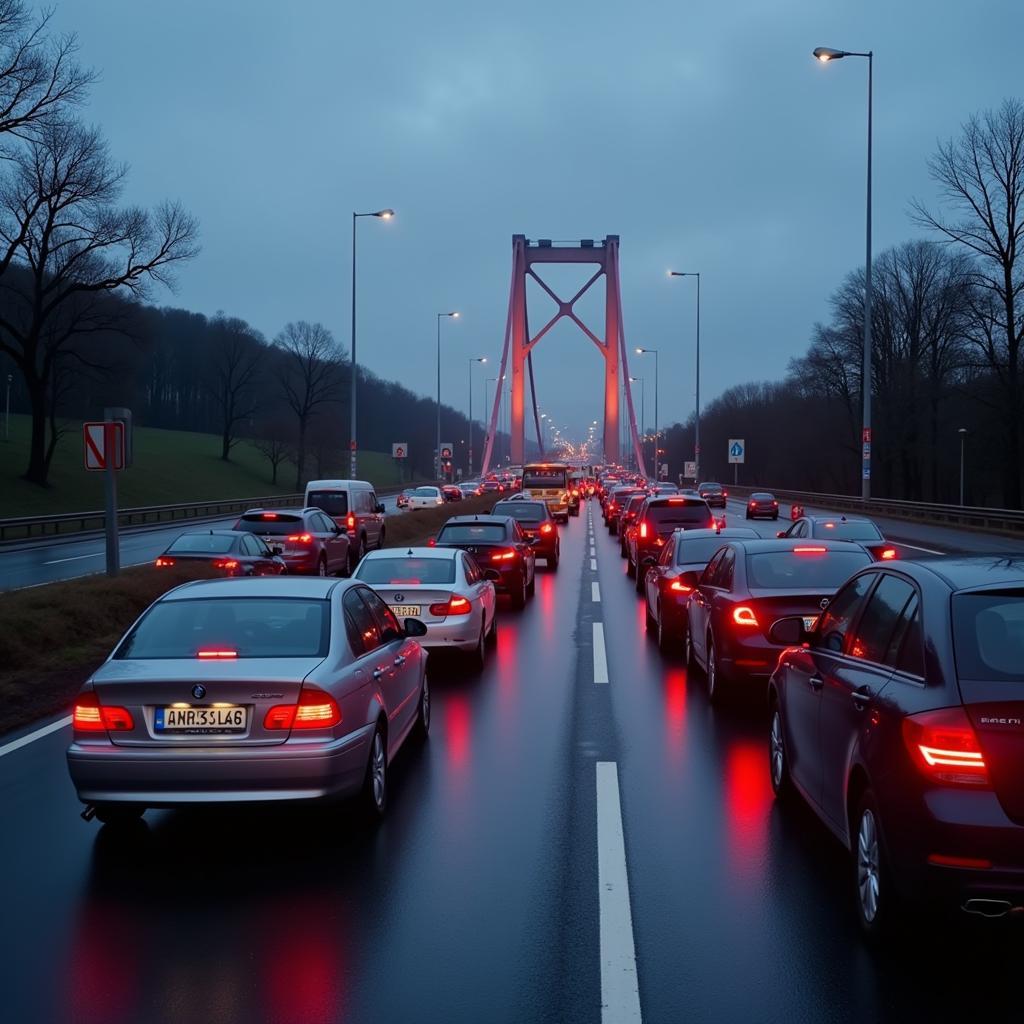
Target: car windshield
x,y
849,531
681,513
270,523
407,571
202,543
524,511
988,636
426,492
794,569
334,503
242,627
699,550
466,533
541,478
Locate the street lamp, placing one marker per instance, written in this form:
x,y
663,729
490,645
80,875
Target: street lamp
x,y
963,437
696,421
825,54
654,352
476,359
383,215
643,397
438,455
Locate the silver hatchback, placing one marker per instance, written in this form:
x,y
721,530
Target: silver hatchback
x,y
250,690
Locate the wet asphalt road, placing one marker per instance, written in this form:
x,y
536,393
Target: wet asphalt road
x,y
477,900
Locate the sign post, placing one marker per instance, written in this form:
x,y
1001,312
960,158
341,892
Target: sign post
x,y
106,451
399,452
737,455
690,470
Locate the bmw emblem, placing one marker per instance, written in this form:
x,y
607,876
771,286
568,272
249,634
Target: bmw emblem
x,y
823,603
399,597
199,691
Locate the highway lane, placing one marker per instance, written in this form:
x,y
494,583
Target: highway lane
x,y
478,898
50,560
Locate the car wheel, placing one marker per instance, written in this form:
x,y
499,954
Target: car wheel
x,y
873,889
622,549
715,679
375,785
630,568
321,566
119,815
380,538
748,515
689,655
423,717
518,596
492,636
478,656
552,562
639,577
354,555
778,761
650,622
666,641
531,587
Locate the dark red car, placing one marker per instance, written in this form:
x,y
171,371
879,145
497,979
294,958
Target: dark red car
x,y
657,520
627,521
233,552
614,502
538,526
762,505
309,541
450,492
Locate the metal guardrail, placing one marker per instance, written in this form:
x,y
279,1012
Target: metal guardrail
x,y
997,520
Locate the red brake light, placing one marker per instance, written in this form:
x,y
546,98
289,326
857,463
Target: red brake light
x,y
300,538
225,563
809,551
163,563
455,605
678,587
315,710
546,528
744,616
432,542
644,528
90,716
218,653
943,745
725,494
503,556
888,554
350,522
269,515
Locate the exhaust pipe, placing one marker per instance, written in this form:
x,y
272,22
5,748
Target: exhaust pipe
x,y
988,908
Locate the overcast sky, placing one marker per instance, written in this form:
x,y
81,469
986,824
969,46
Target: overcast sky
x,y
703,134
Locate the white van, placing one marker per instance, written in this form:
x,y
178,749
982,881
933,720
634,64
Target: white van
x,y
353,505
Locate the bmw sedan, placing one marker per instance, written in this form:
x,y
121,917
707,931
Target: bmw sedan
x,y
898,719
233,552
228,691
443,588
852,528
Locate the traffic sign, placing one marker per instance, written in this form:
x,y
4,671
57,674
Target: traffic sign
x,y
400,450
737,449
690,470
446,449
103,440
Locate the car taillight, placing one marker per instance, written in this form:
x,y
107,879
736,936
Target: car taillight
x,y
805,550
546,528
455,605
164,563
575,493
888,554
350,522
943,744
300,538
744,616
643,530
218,653
90,716
225,563
725,494
503,556
678,587
315,710
431,542
269,515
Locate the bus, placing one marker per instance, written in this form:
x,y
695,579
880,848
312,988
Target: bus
x,y
549,481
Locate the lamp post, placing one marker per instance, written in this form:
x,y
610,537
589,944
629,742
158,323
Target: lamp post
x,y
696,419
826,54
963,437
544,421
437,455
654,352
7,410
353,446
473,359
643,397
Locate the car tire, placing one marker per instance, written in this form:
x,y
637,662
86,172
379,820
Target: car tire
x,y
667,643
650,622
531,587
748,515
119,815
716,682
638,576
380,538
321,566
689,655
778,759
552,562
375,784
478,656
874,893
423,715
492,635
630,568
518,596
354,555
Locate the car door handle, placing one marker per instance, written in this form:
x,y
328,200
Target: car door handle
x,y
378,674
860,698
816,682
400,660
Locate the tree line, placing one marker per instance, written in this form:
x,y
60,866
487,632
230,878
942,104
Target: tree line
x,y
947,325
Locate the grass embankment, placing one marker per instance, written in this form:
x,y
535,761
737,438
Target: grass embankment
x,y
54,636
170,467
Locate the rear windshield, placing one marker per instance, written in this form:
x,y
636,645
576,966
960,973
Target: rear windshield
x,y
463,533
269,523
334,503
849,531
524,511
794,570
689,514
407,571
542,478
761,496
698,550
426,492
988,634
709,487
251,627
203,543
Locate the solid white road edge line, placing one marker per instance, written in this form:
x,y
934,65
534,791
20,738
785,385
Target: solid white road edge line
x,y
595,591
917,547
74,558
10,748
600,658
620,990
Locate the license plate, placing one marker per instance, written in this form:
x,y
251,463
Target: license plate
x,y
406,611
810,621
201,720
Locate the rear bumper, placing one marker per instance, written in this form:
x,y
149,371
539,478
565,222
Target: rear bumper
x,y
105,773
461,633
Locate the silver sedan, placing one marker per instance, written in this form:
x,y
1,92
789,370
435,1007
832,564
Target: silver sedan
x,y
249,690
441,587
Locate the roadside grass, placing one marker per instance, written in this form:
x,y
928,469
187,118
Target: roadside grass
x,y
170,467
54,636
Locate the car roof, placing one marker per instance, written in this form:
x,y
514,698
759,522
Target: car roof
x,y
215,533
967,572
675,499
316,587
463,520
789,543
320,485
816,518
518,500
419,552
726,533
281,511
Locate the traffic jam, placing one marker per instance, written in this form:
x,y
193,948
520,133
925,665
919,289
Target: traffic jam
x,y
888,688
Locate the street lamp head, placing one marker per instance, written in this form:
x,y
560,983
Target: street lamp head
x,y
962,430
826,53
385,214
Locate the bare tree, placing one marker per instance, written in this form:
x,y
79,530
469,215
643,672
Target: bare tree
x,y
65,249
310,378
274,441
981,178
235,359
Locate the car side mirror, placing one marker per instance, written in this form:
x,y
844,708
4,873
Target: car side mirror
x,y
649,560
789,631
380,507
781,534
491,574
413,627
